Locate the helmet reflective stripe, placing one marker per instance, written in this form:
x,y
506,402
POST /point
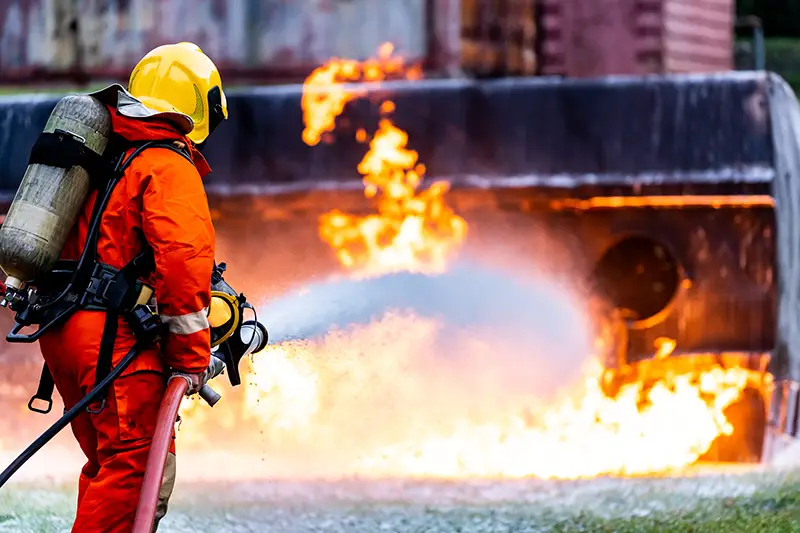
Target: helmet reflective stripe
x,y
199,112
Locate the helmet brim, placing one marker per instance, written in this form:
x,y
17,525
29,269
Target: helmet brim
x,y
117,96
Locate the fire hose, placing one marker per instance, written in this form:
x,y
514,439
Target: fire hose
x,y
68,417
206,393
157,458
232,338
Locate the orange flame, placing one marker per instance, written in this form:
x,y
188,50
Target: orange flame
x,y
378,400
325,94
375,400
414,230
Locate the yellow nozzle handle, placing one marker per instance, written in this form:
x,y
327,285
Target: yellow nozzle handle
x,y
220,311
223,315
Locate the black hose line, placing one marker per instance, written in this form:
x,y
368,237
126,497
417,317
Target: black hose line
x,y
68,417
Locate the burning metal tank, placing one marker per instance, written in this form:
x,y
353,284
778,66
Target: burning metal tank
x,y
660,195
666,199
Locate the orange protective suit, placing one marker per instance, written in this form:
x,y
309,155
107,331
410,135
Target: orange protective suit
x,y
160,198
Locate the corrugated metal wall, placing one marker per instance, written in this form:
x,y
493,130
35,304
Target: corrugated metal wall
x,y
603,37
552,41
649,36
283,40
698,35
264,38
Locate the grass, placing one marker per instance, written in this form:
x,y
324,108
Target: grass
x,y
782,56
774,509
36,510
762,513
766,503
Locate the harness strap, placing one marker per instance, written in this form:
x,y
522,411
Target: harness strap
x,y
119,296
116,295
122,296
104,357
44,392
62,149
120,290
173,147
123,293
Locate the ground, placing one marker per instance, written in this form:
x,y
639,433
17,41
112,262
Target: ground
x,y
751,502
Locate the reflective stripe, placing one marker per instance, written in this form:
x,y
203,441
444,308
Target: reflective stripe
x,y
188,323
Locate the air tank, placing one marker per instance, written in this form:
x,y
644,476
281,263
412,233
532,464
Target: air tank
x,y
49,199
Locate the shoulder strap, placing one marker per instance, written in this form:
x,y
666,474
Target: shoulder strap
x,y
115,154
142,264
104,195
170,145
44,392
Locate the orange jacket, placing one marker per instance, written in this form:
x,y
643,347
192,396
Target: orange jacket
x,y
161,198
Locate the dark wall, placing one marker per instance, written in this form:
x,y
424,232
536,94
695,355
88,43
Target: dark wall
x,y
727,295
688,130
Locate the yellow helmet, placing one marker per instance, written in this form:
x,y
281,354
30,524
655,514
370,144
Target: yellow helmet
x,y
181,78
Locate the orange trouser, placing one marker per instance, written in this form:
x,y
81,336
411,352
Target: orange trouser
x,y
117,440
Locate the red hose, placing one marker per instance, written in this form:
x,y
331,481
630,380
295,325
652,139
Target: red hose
x,y
157,459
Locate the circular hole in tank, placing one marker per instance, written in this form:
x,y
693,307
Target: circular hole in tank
x,y
639,276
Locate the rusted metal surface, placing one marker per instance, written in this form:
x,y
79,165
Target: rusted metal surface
x,y
281,40
498,37
27,44
551,39
608,37
442,34
275,39
585,39
600,38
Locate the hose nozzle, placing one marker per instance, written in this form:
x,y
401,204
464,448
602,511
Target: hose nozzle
x,y
255,335
210,396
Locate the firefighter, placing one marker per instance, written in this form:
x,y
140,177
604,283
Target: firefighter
x,y
174,94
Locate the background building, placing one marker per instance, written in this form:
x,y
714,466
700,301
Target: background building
x,y
272,41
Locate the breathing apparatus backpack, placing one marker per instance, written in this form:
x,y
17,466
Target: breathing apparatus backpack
x,y
76,153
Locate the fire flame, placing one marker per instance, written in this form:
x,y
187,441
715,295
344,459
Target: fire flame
x,y
379,400
588,434
583,435
414,231
324,94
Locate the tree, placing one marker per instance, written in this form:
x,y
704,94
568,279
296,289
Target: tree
x,y
781,18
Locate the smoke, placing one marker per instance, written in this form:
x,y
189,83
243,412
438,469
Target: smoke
x,y
537,326
466,296
357,368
